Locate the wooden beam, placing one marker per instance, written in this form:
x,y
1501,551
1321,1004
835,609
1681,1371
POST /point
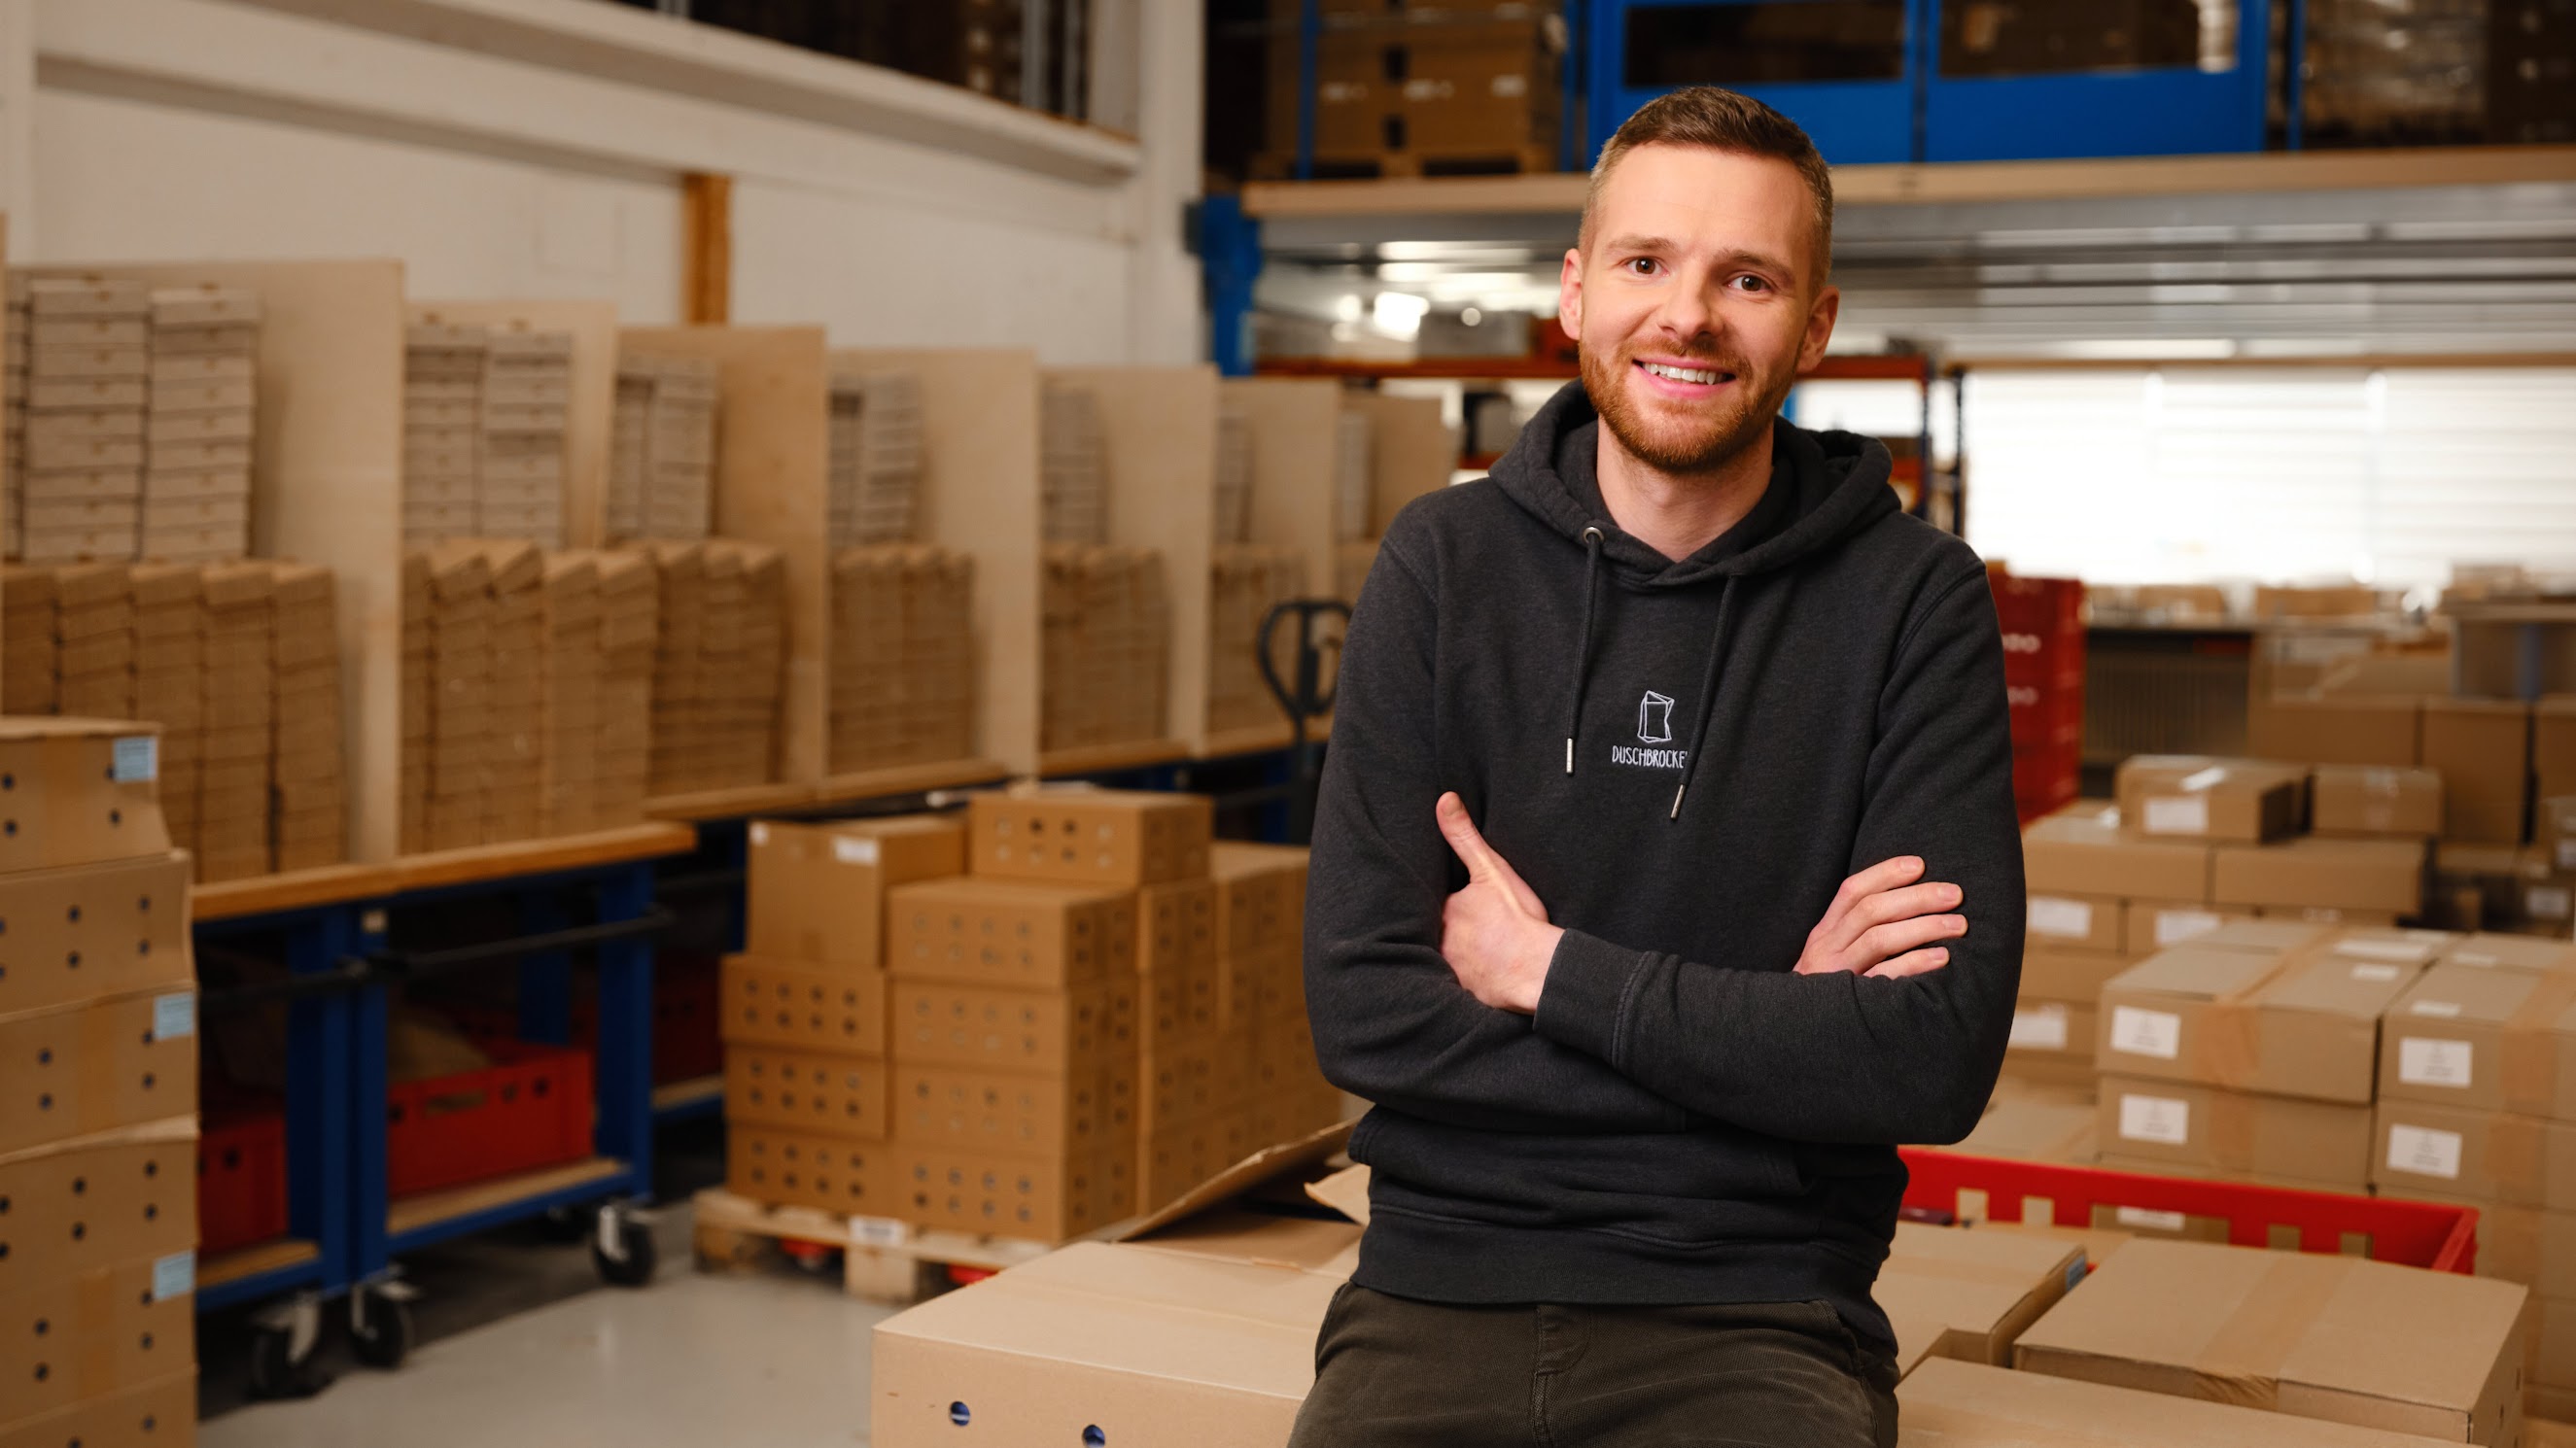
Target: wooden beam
x,y
707,246
1561,194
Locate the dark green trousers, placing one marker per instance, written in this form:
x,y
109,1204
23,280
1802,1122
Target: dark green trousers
x,y
1394,1373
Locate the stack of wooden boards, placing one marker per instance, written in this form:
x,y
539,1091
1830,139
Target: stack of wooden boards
x,y
485,418
98,1072
719,673
131,411
1026,1022
239,666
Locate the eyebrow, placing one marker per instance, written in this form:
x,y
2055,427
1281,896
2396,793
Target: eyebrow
x,y
1758,260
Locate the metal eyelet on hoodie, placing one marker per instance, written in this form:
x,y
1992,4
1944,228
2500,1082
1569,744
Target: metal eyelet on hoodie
x,y
1583,649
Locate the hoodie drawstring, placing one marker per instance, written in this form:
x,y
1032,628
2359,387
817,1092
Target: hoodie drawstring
x,y
1707,695
1583,650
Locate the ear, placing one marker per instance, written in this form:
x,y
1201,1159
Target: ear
x,y
1569,295
1821,315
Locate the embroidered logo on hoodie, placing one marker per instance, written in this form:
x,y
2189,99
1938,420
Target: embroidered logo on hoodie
x,y
1654,726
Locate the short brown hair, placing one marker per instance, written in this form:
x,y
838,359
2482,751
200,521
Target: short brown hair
x,y
1719,120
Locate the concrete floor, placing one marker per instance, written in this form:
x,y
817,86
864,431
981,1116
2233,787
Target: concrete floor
x,y
690,1360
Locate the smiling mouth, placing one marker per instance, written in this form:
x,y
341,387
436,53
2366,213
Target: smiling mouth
x,y
1705,376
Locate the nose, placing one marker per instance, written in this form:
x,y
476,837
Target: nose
x,y
1685,316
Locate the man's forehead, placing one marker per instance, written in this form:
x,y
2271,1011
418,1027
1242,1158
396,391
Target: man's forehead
x,y
1699,198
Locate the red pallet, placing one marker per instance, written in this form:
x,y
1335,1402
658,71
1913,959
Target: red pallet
x,y
241,1177
2411,1234
530,1108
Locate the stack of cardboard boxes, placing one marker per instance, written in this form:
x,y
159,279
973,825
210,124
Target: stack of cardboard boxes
x,y
569,680
312,802
204,410
515,691
456,603
662,456
13,417
527,402
903,658
94,640
630,626
720,665
1073,468
1246,580
89,364
29,650
234,838
1106,642
443,366
170,684
98,1063
1261,989
1403,90
875,477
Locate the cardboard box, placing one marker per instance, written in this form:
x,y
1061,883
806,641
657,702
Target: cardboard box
x,y
1037,1199
2339,1338
161,1414
2319,1145
2200,797
1176,930
938,1023
2037,1127
2051,1030
2152,925
994,1113
1016,933
2484,1039
2553,745
1979,1289
817,892
1965,1405
2075,922
826,1095
1261,897
96,1201
2519,1244
2069,975
2341,729
2485,1156
2377,875
834,1174
93,930
2317,1026
2353,799
2511,952
2182,1014
837,1011
95,1334
2482,750
2085,854
1123,838
78,792
81,1069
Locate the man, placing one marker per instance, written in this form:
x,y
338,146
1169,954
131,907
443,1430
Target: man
x,y
1670,770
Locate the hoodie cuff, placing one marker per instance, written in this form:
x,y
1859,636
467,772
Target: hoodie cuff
x,y
1584,1002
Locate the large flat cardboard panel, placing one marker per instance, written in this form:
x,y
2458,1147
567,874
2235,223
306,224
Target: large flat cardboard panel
x,y
1158,430
1413,452
773,440
979,495
1292,421
2339,1338
327,481
593,410
1966,1405
1982,1288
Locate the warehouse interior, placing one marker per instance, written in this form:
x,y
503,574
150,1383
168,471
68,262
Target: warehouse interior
x,y
724,615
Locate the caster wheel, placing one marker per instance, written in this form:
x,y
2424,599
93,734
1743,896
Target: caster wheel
x,y
632,1265
380,1328
275,1371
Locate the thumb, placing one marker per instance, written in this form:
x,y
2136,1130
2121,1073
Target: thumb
x,y
1461,834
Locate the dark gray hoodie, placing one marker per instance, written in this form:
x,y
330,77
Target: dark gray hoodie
x,y
1686,1119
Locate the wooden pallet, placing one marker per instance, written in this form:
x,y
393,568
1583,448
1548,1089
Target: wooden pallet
x,y
1535,158
881,1259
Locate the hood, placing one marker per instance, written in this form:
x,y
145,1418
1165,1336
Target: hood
x,y
1825,486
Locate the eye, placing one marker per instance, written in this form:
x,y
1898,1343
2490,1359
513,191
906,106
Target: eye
x,y
1640,265
1750,282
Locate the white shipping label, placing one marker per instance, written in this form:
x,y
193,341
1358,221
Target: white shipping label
x,y
2203,779
2146,1033
135,758
2429,1061
2475,957
2148,1219
2413,950
2424,1151
2378,973
854,850
759,833
2545,902
2161,1119
2567,854
174,1017
879,1231
2063,918
2041,1028
174,1276
2177,815
2439,1010
2173,927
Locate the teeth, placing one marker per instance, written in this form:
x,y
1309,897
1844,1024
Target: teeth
x,y
1683,374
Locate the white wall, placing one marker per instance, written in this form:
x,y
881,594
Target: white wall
x,y
891,211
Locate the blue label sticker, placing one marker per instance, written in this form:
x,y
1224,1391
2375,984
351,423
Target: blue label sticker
x,y
137,759
174,1016
2075,1274
174,1276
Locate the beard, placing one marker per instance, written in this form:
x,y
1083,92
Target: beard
x,y
1696,442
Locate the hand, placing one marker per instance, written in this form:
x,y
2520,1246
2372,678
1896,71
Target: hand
x,y
1494,933
1882,923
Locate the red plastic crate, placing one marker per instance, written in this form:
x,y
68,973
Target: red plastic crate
x,y
241,1177
2412,1234
686,1004
530,1108
2037,605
